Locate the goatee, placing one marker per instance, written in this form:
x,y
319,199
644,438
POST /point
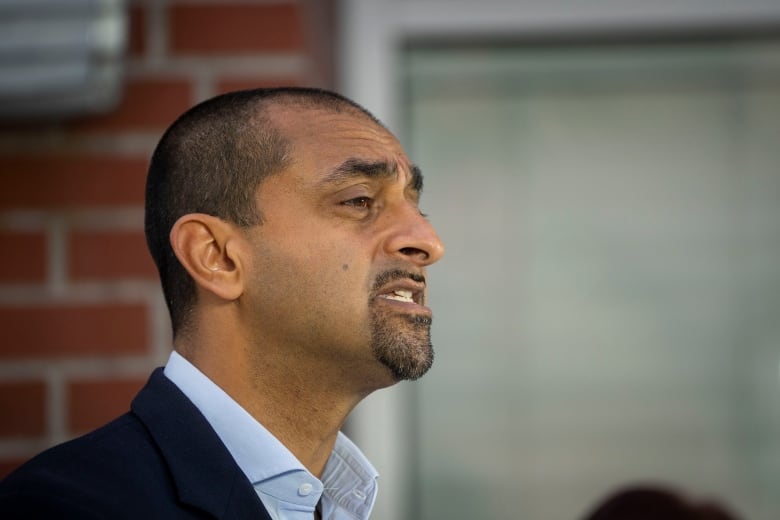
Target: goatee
x,y
401,342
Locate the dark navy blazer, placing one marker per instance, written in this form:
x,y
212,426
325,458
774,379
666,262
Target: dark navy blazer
x,y
160,460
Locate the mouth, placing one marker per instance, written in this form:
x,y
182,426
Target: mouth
x,y
400,295
407,291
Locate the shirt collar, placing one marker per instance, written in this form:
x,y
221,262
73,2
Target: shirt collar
x,y
349,478
350,481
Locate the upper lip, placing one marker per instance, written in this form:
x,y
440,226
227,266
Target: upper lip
x,y
405,284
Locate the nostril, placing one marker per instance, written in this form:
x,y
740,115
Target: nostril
x,y
413,251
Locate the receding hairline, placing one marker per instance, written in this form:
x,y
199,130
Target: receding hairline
x,y
274,111
262,106
305,98
276,108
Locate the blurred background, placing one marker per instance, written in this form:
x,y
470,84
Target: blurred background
x,y
605,175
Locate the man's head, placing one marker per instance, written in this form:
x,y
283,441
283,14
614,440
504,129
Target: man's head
x,y
325,201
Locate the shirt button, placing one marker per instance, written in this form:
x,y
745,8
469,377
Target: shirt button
x,y
359,494
305,489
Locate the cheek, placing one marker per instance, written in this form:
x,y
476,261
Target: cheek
x,y
312,266
312,275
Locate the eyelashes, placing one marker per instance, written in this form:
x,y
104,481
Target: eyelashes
x,y
359,202
365,203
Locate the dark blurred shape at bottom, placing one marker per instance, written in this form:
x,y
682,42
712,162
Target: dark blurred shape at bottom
x,y
654,502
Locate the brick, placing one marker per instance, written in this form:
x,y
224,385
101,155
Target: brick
x,y
230,84
23,258
23,409
110,254
233,28
94,403
59,181
147,105
136,45
73,330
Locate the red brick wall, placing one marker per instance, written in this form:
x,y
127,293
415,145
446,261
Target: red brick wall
x,y
81,313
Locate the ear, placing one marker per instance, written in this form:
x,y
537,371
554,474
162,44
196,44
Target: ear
x,y
210,250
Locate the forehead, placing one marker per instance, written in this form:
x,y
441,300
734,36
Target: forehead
x,y
323,139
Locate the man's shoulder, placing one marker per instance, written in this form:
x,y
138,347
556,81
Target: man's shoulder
x,y
123,441
161,460
113,468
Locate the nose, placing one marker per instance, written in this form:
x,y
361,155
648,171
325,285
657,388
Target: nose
x,y
414,239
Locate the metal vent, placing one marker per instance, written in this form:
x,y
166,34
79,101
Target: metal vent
x,y
60,57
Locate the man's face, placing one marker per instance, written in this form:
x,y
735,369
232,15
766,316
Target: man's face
x,y
338,269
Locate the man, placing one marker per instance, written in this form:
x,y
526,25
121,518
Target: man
x,y
292,253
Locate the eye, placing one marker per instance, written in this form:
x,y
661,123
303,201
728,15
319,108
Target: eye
x,y
359,202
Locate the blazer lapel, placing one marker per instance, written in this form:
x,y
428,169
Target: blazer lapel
x,y
204,472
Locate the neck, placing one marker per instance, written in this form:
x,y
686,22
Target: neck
x,y
300,405
306,419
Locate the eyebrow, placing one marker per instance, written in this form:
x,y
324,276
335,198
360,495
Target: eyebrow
x,y
355,168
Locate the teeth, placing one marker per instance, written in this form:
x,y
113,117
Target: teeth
x,y
401,296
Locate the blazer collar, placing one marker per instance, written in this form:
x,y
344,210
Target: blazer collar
x,y
204,473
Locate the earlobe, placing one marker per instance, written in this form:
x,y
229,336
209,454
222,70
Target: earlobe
x,y
204,245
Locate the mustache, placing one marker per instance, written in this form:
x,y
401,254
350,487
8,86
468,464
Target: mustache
x,y
396,274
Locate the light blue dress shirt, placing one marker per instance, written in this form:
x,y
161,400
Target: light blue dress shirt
x,y
287,489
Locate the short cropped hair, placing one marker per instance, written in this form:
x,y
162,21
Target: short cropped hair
x,y
211,160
